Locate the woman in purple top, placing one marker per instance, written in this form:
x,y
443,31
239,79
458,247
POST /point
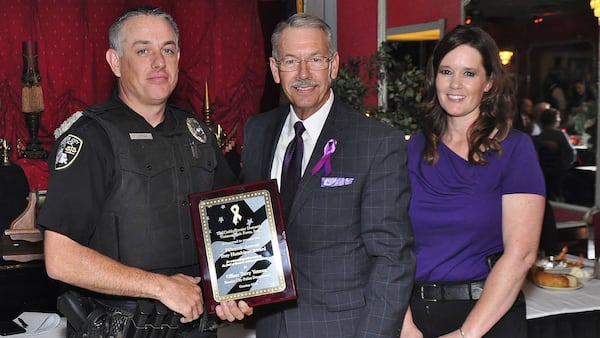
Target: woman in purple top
x,y
477,197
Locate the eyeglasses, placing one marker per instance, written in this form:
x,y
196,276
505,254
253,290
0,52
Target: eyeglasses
x,y
289,64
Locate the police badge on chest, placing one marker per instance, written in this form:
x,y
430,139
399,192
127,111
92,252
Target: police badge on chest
x,y
198,133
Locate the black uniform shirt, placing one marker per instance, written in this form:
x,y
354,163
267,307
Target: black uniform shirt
x,y
77,191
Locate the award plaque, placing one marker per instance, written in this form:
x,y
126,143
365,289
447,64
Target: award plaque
x,y
242,248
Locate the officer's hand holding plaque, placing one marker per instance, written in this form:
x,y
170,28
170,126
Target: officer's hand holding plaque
x,y
243,253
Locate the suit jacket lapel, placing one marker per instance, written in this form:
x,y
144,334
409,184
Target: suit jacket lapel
x,y
334,125
272,133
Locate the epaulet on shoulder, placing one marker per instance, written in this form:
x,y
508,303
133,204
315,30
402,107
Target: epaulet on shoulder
x,y
91,111
67,124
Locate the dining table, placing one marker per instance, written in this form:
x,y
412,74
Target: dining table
x,y
564,313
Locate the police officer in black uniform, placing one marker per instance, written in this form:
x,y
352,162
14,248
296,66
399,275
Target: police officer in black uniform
x,y
116,218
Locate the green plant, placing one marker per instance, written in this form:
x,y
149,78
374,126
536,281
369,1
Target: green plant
x,y
403,82
349,86
400,79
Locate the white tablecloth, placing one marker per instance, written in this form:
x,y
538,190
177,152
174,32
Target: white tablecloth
x,y
543,302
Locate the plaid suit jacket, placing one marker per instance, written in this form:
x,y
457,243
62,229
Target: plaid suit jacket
x,y
351,246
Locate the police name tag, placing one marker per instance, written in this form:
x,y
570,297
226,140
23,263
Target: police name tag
x,y
140,136
243,253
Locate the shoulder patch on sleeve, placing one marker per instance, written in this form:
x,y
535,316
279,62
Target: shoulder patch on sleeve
x,y
67,151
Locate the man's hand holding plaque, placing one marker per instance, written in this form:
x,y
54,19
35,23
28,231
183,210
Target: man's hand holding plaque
x,y
231,310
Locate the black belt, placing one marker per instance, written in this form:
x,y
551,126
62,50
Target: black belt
x,y
129,307
434,292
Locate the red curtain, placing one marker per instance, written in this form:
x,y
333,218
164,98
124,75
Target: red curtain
x,y
221,42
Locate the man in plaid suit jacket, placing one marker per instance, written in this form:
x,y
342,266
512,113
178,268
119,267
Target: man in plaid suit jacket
x,y
348,231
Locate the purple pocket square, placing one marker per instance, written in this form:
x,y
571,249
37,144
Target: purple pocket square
x,y
332,182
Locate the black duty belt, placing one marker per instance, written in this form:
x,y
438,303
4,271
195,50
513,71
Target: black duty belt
x,y
93,317
437,292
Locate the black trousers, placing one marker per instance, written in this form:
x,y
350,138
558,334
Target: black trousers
x,y
438,318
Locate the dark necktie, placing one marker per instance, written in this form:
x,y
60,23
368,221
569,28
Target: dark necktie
x,y
292,168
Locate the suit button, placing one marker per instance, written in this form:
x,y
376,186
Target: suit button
x,y
182,169
186,236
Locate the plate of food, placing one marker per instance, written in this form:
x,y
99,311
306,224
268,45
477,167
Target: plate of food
x,y
560,272
553,281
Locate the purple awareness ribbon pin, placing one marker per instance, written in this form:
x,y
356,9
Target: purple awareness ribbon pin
x,y
324,163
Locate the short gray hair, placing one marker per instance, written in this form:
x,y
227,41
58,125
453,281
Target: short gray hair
x,y
302,20
115,38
